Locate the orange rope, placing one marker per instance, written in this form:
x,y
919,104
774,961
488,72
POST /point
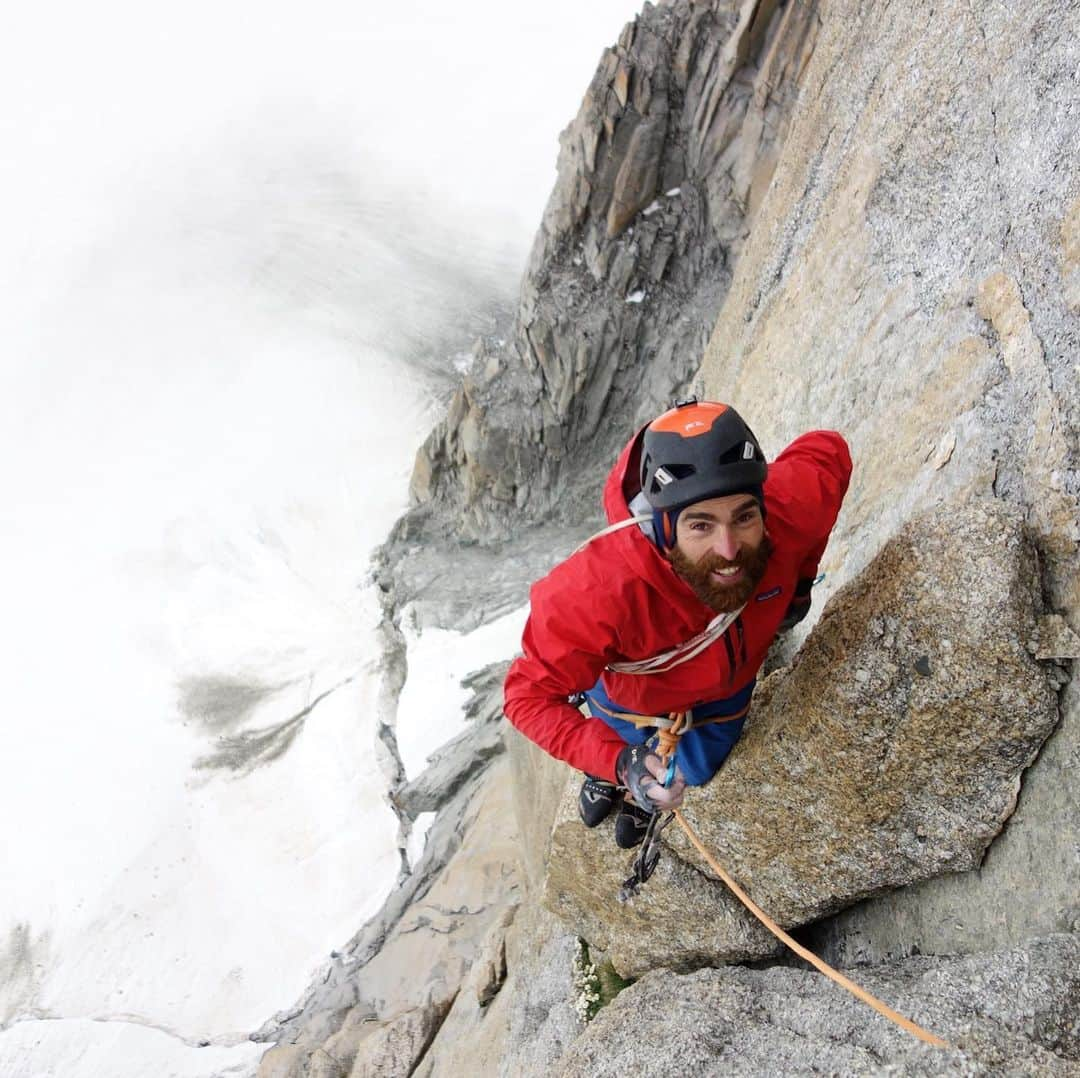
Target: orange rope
x,y
669,740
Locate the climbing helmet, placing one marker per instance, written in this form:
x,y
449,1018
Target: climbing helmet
x,y
697,451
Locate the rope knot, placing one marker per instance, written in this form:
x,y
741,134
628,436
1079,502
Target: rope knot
x,y
667,738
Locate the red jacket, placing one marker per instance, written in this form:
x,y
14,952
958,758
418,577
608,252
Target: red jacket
x,y
619,599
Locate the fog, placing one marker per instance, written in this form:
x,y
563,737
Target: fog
x,y
243,249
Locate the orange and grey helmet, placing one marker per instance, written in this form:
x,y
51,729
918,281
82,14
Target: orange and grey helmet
x,y
697,451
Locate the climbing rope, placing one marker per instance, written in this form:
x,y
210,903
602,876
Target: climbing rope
x,y
668,742
667,739
801,951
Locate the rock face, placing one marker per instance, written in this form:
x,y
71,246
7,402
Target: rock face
x,y
659,176
529,1024
891,752
911,281
395,1048
380,1002
868,216
1002,1014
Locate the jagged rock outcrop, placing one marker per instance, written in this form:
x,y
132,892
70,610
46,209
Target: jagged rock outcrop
x,y
659,176
464,756
363,1047
529,1024
891,752
384,998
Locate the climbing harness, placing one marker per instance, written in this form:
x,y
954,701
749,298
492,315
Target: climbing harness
x,y
645,865
658,722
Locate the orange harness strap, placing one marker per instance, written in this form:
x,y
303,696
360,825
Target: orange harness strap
x,y
661,724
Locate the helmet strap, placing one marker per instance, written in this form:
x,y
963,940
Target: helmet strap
x,y
664,528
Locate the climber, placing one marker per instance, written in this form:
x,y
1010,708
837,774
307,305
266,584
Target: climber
x,y
711,553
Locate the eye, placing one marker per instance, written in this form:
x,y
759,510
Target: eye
x,y
748,517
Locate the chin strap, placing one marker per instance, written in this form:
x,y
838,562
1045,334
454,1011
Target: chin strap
x,y
663,528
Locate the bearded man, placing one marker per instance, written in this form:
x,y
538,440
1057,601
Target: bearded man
x,y
710,554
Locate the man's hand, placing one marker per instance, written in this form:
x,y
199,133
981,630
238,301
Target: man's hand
x,y
642,773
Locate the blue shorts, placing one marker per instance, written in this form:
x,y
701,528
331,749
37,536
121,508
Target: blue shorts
x,y
702,750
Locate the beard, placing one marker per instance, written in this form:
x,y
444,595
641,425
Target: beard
x,y
723,597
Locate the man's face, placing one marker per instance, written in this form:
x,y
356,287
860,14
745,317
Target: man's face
x,y
721,549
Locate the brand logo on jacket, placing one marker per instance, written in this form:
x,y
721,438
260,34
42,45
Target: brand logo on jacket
x,y
771,594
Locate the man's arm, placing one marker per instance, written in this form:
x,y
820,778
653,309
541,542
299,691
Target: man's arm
x,y
566,647
814,472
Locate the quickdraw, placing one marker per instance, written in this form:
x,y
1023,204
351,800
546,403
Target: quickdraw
x,y
648,856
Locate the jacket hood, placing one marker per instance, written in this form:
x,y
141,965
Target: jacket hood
x,y
632,543
624,480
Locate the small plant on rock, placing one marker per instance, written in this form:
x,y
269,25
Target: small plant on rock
x,y
595,986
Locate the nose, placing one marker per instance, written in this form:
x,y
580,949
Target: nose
x,y
725,544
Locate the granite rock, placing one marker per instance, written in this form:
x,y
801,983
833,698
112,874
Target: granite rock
x,y
529,1025
420,952
890,752
1013,1013
658,178
394,1049
911,281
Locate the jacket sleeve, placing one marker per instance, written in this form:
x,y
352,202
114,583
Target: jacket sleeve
x,y
816,469
566,646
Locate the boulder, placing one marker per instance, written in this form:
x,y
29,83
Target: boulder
x,y
890,752
395,1048
1012,1013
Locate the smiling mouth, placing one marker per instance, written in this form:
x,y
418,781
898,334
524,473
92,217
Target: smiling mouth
x,y
727,576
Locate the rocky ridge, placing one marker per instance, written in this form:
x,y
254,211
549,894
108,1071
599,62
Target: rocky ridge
x,y
659,176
